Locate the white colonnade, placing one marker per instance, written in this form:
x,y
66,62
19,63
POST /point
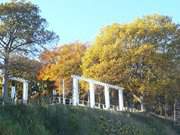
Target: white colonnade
x,y
25,89
92,84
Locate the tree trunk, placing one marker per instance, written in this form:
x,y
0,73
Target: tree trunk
x,y
4,86
5,78
165,112
140,100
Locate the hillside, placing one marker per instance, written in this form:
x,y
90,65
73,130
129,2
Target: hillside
x,y
66,120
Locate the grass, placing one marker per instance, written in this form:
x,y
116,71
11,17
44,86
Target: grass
x,y
69,120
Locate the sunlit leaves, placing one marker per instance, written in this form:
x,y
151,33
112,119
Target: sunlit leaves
x,y
138,55
61,63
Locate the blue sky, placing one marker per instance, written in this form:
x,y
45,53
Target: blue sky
x,y
81,20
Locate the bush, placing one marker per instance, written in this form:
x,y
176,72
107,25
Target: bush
x,y
69,120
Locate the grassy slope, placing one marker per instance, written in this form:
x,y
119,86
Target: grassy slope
x,y
66,120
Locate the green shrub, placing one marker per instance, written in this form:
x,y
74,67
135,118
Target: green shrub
x,y
69,120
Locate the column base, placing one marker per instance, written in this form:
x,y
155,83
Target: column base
x,y
25,102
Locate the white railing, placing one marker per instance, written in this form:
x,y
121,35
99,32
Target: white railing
x,y
84,103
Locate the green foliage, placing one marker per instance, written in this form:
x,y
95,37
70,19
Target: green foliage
x,y
66,120
22,31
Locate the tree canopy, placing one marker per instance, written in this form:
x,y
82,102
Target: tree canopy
x,y
61,63
22,31
140,56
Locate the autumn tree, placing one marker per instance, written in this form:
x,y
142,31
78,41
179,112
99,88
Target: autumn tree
x,y
24,67
140,56
22,31
62,62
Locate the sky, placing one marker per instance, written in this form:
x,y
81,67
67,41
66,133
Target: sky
x,y
82,20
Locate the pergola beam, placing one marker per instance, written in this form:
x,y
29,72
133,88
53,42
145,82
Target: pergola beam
x,y
96,82
17,79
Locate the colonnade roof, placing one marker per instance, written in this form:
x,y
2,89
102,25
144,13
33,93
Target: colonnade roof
x,y
14,78
97,82
18,79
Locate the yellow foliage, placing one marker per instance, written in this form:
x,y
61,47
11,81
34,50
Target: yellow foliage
x,y
130,54
61,63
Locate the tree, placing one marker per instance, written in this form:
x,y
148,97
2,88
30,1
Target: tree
x,y
22,31
140,56
24,67
61,63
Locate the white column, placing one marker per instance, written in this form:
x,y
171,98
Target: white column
x,y
75,92
121,102
142,105
92,95
25,92
63,92
54,93
107,97
13,92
